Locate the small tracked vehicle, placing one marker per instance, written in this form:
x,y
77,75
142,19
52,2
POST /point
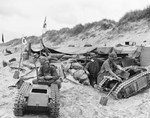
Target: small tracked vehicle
x,y
138,80
35,97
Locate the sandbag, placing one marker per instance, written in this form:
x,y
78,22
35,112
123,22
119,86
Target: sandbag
x,y
80,75
86,82
76,65
83,78
72,71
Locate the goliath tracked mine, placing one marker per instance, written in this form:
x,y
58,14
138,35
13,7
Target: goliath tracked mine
x,y
138,80
32,97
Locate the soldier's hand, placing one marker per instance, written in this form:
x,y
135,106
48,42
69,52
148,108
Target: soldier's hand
x,y
86,71
48,77
119,79
40,78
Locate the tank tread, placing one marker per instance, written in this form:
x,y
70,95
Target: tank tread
x,y
54,103
24,88
102,82
119,89
19,105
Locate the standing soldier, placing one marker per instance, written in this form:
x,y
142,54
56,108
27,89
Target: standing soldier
x,y
93,67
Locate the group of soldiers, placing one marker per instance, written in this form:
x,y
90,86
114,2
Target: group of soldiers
x,y
96,69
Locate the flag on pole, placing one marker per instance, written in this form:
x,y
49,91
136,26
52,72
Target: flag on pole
x,y
24,41
2,38
44,26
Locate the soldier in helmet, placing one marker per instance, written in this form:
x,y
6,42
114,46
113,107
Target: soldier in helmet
x,y
109,67
47,73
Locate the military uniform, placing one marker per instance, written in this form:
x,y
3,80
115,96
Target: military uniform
x,y
105,70
93,67
108,65
47,69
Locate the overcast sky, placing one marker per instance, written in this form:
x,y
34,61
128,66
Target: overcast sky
x,y
26,17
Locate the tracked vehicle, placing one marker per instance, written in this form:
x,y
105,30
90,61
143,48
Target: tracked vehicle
x,y
32,97
138,80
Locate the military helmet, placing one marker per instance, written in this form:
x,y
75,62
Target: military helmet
x,y
113,55
52,59
43,60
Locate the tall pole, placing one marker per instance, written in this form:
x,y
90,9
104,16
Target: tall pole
x,y
2,38
41,40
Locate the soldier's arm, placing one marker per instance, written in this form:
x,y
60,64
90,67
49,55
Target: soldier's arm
x,y
107,67
40,74
53,74
86,68
119,67
114,75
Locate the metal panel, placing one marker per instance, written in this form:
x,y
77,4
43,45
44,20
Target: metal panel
x,y
37,100
142,83
145,56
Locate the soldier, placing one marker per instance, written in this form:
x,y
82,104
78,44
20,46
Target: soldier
x,y
47,73
93,67
109,68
